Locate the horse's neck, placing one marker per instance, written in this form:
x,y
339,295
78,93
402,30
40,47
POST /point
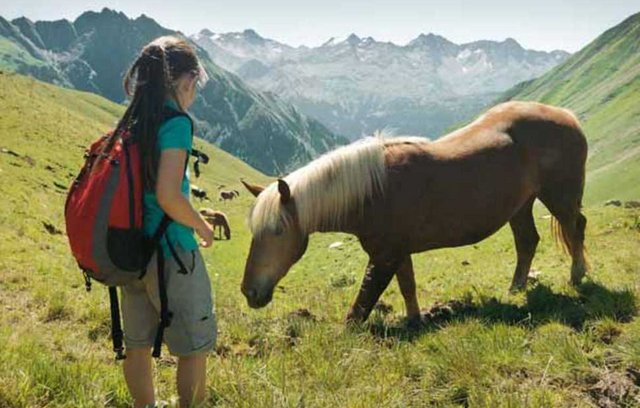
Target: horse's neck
x,y
348,224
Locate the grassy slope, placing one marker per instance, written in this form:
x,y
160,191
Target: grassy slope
x,y
49,127
553,346
14,56
257,127
601,83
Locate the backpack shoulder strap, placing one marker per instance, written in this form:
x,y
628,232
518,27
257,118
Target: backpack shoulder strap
x,y
170,113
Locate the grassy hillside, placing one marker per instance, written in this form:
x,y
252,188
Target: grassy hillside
x,y
93,53
18,54
481,347
601,83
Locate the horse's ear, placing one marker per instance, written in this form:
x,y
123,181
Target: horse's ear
x,y
284,190
253,188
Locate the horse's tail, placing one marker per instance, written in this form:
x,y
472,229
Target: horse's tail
x,y
560,236
562,239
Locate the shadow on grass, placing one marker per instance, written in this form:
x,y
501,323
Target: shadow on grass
x,y
593,301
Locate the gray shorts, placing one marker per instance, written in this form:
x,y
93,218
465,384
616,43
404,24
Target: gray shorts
x,y
193,326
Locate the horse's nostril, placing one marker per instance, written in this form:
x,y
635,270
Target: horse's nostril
x,y
251,293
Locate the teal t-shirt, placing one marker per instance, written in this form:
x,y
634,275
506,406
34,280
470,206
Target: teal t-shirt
x,y
173,134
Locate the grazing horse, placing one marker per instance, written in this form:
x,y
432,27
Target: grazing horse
x,y
226,195
218,221
401,196
199,193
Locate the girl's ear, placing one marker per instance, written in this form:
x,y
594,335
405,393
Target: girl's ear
x,y
186,84
185,89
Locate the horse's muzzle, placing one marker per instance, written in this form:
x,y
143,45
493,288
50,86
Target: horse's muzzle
x,y
257,299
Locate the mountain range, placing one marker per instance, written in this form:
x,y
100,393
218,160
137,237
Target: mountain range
x,y
601,83
357,85
93,52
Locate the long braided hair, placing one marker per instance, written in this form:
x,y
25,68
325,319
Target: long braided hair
x,y
149,82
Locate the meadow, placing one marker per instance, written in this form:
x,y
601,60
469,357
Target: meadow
x,y
551,346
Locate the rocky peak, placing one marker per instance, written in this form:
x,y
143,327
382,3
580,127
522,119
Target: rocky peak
x,y
353,39
205,32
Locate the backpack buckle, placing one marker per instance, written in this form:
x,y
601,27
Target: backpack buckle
x,y
87,280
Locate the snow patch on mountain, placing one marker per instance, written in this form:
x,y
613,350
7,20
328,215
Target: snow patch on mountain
x,y
353,83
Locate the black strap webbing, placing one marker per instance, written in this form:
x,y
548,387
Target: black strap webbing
x,y
116,329
183,269
154,242
116,326
165,315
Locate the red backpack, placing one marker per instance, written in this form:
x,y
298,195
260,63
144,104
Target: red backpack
x,y
104,214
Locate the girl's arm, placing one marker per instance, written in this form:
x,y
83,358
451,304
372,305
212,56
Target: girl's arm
x,y
171,199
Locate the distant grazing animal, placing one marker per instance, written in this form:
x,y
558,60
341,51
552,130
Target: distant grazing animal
x,y
226,195
218,220
632,204
199,193
402,196
615,203
236,192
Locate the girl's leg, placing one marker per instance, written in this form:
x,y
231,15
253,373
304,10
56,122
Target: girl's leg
x,y
138,375
192,376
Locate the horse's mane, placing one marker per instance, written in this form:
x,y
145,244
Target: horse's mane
x,y
326,189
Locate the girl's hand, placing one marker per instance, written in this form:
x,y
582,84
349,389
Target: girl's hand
x,y
205,232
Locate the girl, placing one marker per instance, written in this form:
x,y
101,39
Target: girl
x,y
163,79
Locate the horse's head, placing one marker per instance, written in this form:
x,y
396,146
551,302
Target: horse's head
x,y
273,250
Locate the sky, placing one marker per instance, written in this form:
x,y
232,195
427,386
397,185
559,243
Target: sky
x,y
535,24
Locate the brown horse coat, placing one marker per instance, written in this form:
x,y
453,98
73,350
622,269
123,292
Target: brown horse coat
x,y
218,221
475,179
459,190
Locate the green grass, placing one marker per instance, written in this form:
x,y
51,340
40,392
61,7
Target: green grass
x,y
13,56
601,83
551,346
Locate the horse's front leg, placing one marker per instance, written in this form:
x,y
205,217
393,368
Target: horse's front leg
x,y
376,279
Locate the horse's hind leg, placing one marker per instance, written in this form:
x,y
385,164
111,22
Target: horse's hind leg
x,y
375,281
526,238
565,207
407,284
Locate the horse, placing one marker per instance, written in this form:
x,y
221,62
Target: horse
x,y
218,221
226,195
401,196
199,193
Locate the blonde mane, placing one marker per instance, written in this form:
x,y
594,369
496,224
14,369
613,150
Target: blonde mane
x,y
325,190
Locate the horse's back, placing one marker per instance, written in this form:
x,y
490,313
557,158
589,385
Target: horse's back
x,y
521,122
546,139
463,187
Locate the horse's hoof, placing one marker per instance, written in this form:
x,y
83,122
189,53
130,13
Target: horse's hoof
x,y
515,289
354,319
414,322
576,280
